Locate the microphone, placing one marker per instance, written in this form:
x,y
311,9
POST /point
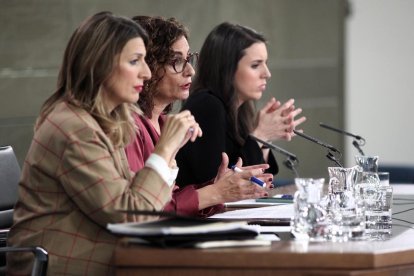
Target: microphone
x,y
357,143
331,148
291,161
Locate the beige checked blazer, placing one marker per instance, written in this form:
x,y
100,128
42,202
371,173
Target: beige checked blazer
x,y
73,182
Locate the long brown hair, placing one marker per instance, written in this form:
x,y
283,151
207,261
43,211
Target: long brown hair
x,y
89,59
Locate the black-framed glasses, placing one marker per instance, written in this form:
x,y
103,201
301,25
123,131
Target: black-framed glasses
x,y
179,63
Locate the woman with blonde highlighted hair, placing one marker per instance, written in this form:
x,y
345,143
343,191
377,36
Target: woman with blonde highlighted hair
x,y
76,179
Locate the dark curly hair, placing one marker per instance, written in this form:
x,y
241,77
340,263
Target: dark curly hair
x,y
163,33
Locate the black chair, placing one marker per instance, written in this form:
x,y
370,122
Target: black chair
x,y
40,259
399,174
9,180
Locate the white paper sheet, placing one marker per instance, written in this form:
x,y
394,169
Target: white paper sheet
x,y
271,212
403,189
249,203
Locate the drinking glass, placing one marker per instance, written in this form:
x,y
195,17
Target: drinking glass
x,y
309,221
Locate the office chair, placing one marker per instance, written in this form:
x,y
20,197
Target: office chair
x,y
40,259
9,179
399,174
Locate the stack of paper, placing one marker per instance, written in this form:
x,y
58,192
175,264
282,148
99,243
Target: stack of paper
x,y
185,232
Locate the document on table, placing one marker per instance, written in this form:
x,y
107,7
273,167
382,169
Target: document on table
x,y
261,240
271,212
261,202
403,189
249,203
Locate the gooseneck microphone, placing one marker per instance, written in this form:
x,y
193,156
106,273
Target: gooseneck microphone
x,y
342,131
331,149
357,146
357,143
291,161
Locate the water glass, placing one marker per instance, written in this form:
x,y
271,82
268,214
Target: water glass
x,y
382,228
309,221
375,191
384,178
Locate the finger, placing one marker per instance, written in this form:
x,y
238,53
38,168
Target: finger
x,y
200,131
195,131
260,193
296,112
287,104
267,178
288,120
298,130
288,110
269,105
182,114
288,136
224,164
299,121
263,167
274,107
247,174
239,162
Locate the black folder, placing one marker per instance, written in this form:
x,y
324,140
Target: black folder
x,y
184,231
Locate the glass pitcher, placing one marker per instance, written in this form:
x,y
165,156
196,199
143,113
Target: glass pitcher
x,y
345,208
367,163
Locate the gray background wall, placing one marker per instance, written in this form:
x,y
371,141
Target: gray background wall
x,y
306,46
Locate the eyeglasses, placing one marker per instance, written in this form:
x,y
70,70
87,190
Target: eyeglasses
x,y
179,63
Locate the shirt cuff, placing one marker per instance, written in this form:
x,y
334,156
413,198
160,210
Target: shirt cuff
x,y
173,175
158,164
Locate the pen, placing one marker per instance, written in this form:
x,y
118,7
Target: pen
x,y
284,196
252,179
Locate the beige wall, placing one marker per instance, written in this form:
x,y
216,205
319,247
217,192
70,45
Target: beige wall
x,y
379,80
305,49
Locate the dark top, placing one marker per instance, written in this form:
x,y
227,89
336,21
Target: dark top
x,y
199,161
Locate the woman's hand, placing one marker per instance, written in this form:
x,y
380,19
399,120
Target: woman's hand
x,y
277,121
233,186
178,129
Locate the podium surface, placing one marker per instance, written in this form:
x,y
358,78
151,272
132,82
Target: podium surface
x,y
380,258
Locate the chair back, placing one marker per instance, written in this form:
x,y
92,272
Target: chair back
x,y
9,179
399,174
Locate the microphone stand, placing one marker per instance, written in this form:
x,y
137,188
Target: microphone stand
x,y
332,151
291,161
358,140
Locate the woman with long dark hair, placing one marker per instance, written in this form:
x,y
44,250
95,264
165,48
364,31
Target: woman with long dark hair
x,y
232,74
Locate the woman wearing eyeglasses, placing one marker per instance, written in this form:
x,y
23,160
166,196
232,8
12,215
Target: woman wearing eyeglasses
x,y
171,64
232,75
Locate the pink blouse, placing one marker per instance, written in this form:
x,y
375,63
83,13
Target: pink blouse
x,y
185,200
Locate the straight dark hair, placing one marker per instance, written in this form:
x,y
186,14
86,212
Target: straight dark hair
x,y
217,66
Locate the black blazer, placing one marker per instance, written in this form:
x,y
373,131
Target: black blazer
x,y
199,161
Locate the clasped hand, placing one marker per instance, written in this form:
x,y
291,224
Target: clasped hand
x,y
276,121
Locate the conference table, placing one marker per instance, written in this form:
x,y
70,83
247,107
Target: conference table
x,y
394,256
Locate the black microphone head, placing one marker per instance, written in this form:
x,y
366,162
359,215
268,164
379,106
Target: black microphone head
x,y
334,149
